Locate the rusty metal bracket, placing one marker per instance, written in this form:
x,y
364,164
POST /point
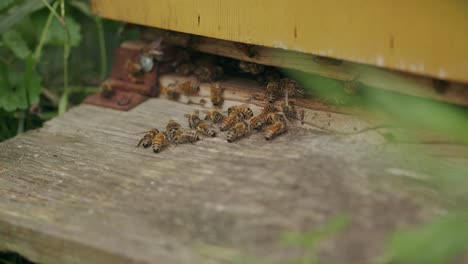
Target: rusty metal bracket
x,y
124,89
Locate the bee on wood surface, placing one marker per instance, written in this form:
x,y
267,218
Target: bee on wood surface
x,y
159,142
289,109
134,70
250,67
185,136
272,91
247,49
274,117
185,69
214,116
189,88
106,90
259,121
208,73
206,129
230,120
240,129
289,87
146,140
243,110
171,129
277,128
193,119
216,95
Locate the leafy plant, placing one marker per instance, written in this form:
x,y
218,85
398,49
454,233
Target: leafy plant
x,y
39,37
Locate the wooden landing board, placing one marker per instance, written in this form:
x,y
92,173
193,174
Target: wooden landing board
x,y
78,191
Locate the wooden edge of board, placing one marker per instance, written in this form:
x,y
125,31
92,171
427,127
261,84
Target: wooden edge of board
x,y
346,72
42,247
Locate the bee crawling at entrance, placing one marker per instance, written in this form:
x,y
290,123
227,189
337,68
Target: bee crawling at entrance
x,y
185,136
146,140
230,120
216,95
272,91
159,142
190,88
259,121
214,116
171,129
289,87
206,129
250,67
243,110
289,110
193,119
277,127
239,130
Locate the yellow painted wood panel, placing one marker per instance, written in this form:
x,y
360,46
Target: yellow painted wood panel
x,y
428,37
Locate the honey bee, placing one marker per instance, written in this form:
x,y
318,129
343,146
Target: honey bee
x,y
159,142
259,121
289,87
274,117
214,116
272,91
185,136
248,50
208,73
193,119
171,129
289,109
206,129
217,98
277,128
230,120
243,110
106,90
240,129
189,88
146,140
185,69
250,67
134,70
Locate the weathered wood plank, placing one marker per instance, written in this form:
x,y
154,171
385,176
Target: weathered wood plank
x,y
78,191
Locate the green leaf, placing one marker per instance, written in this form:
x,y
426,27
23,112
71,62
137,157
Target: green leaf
x,y
57,35
82,6
16,13
5,3
32,82
14,41
19,89
311,238
437,242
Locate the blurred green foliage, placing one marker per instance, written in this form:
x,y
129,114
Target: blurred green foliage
x,y
36,49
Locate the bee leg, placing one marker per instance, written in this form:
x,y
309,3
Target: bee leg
x,y
139,143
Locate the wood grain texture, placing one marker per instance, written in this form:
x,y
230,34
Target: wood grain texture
x,y
78,191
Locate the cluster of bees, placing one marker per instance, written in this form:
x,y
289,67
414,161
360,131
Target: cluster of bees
x,y
239,122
